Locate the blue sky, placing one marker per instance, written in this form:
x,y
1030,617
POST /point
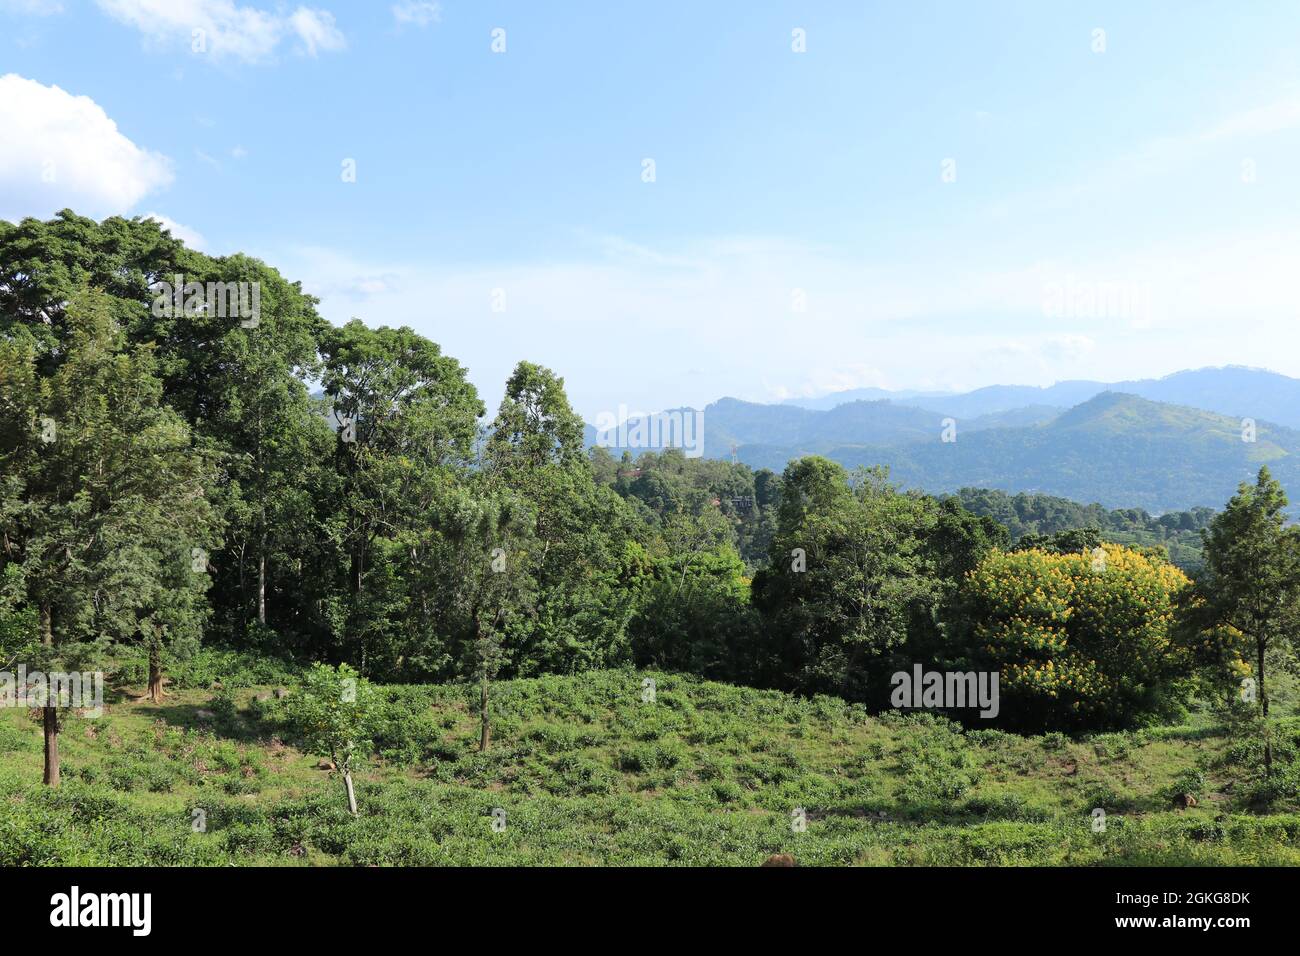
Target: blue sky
x,y
934,195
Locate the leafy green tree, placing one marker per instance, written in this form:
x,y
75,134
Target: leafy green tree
x,y
331,715
604,468
43,265
848,573
102,503
491,559
1251,580
581,529
535,426
408,423
695,615
954,543
237,379
161,590
253,404
688,537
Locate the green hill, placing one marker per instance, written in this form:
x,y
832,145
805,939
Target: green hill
x,y
587,774
1116,449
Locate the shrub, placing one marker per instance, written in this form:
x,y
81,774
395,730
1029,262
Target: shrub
x,y
1081,642
937,766
212,665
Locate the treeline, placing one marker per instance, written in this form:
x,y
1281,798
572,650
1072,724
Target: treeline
x,y
166,476
1034,520
666,488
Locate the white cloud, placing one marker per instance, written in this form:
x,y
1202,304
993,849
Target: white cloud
x,y
40,8
822,381
223,28
1272,117
316,30
419,12
191,237
60,150
724,305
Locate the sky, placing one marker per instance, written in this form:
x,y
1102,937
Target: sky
x,y
671,202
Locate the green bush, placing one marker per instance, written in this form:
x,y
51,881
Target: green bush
x,y
209,666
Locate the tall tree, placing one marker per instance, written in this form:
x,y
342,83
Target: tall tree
x,y
493,559
407,426
232,361
535,425
535,448
253,404
104,498
1251,580
44,263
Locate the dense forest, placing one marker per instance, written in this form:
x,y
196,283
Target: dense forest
x,y
166,477
1033,520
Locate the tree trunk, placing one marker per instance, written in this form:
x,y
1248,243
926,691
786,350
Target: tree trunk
x,y
261,585
1263,706
51,714
155,673
358,569
261,544
51,778
485,733
352,795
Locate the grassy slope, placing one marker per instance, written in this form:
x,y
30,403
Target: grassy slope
x,y
588,774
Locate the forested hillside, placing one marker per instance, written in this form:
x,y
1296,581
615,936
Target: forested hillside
x,y
1116,449
169,482
1034,520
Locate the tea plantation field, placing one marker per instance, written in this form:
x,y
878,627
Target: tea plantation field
x,y
582,771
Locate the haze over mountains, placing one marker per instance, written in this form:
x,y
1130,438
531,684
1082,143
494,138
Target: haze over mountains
x,y
1231,390
1161,444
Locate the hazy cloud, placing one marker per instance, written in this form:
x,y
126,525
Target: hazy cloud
x,y
421,13
227,29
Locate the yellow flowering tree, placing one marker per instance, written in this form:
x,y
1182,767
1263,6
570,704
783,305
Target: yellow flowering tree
x,y
1082,641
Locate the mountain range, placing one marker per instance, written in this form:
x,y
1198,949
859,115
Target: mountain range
x,y
1231,390
1161,444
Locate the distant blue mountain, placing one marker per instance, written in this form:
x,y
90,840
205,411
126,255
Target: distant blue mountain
x,y
827,402
1229,390
1162,444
